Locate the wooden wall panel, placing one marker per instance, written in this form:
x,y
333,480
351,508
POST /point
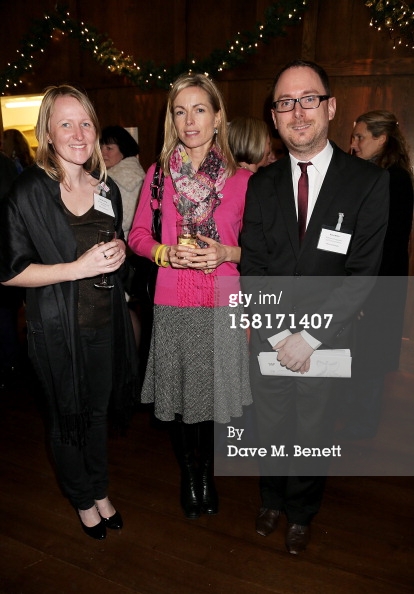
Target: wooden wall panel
x,y
356,95
16,19
132,108
365,71
211,28
344,34
153,31
58,63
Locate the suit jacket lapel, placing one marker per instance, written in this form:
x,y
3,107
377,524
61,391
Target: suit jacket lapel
x,y
284,193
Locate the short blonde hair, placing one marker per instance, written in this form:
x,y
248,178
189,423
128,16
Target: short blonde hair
x,y
46,157
247,139
217,103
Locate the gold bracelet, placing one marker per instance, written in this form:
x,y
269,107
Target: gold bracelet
x,y
157,253
163,262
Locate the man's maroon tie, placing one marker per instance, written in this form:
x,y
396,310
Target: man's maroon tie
x,y
303,188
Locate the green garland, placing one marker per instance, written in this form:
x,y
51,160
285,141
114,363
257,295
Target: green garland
x,y
146,75
395,15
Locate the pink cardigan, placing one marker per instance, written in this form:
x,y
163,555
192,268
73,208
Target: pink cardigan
x,y
187,288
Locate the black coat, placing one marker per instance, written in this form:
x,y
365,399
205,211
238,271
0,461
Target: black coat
x,y
34,229
380,329
395,254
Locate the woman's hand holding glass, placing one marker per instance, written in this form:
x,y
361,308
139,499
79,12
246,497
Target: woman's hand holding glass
x,y
197,258
105,236
104,258
179,255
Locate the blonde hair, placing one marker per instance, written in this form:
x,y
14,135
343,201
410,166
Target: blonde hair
x,y
216,101
16,146
46,157
247,139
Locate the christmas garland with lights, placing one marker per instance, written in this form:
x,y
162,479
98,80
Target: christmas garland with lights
x,y
397,17
146,75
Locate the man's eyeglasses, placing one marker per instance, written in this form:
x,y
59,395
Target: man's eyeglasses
x,y
308,102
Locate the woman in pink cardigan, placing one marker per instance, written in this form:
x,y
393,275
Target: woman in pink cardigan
x,y
197,367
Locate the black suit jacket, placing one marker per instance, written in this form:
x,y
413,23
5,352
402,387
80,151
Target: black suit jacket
x,y
315,280
380,330
395,257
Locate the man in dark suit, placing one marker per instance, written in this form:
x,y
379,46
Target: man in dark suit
x,y
325,253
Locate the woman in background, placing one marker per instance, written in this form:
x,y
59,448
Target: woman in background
x,y
16,146
195,375
120,152
249,141
377,137
80,338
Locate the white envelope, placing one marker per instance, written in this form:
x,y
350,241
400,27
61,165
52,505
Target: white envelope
x,y
329,363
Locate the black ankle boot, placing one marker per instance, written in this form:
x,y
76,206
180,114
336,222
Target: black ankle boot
x,y
209,497
183,439
209,500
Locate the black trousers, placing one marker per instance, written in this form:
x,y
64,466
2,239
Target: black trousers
x,y
293,412
83,472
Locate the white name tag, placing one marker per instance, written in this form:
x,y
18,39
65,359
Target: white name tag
x,y
103,205
334,241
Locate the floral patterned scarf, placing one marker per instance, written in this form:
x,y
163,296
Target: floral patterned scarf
x,y
198,192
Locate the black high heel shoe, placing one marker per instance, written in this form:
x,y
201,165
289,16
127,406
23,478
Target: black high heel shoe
x,y
98,532
114,522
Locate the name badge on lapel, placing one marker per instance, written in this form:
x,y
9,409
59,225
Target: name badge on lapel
x,y
332,239
103,205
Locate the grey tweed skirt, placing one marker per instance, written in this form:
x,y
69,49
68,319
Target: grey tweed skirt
x,y
197,365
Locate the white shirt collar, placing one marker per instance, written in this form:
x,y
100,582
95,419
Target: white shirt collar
x,y
320,161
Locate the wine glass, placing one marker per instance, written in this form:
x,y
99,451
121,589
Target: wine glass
x,y
105,235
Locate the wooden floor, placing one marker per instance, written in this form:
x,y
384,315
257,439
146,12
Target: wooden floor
x,y
362,539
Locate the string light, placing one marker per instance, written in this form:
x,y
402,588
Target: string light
x,y
396,16
145,75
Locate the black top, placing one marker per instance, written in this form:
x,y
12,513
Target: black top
x,y
94,306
